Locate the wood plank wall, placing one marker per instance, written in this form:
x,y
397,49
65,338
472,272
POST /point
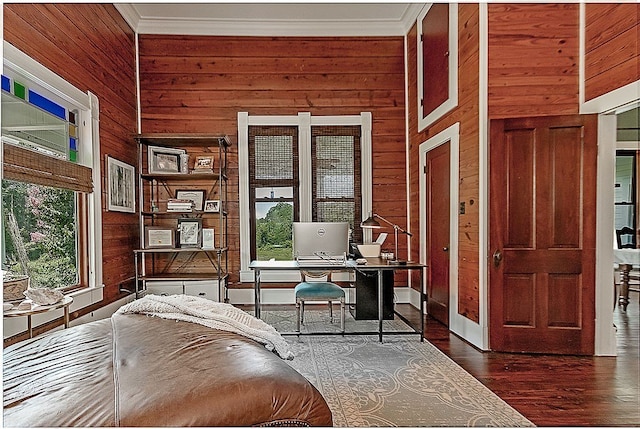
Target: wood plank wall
x,y
612,54
533,59
467,114
198,84
92,47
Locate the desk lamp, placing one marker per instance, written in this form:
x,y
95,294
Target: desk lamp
x,y
371,222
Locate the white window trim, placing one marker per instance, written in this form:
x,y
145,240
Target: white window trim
x,y
452,101
304,121
17,63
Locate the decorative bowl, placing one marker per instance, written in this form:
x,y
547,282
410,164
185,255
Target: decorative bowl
x,y
369,250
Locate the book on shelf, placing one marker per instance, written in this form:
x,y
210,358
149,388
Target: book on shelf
x,y
179,205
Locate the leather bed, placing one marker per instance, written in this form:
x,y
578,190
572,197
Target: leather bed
x,y
136,370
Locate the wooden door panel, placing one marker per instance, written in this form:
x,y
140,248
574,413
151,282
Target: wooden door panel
x,y
521,218
542,187
562,289
565,188
518,291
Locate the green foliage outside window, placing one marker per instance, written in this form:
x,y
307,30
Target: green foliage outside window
x,y
274,232
40,234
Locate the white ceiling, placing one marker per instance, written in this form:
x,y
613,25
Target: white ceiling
x,y
271,19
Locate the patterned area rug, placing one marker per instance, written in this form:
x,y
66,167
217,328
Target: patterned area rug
x,y
400,383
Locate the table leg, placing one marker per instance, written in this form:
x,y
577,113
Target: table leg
x,y
423,297
66,316
380,304
623,298
29,326
256,285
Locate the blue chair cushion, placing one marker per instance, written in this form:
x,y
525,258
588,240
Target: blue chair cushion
x,y
318,290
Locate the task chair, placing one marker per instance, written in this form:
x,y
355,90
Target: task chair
x,y
319,289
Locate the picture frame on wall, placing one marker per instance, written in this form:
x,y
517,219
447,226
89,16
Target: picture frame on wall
x,y
121,194
195,195
159,237
165,160
189,232
212,206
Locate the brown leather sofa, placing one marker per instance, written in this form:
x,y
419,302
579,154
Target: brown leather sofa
x,y
135,370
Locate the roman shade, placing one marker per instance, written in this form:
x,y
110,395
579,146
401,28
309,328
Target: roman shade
x,y
26,165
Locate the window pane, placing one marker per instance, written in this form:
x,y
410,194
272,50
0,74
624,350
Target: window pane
x,y
274,222
334,167
273,157
40,234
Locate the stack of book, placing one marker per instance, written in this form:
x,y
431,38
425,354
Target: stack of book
x,y
179,205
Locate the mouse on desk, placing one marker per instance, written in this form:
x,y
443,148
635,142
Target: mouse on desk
x,y
361,261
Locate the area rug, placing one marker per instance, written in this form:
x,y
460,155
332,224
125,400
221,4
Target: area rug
x,y
401,382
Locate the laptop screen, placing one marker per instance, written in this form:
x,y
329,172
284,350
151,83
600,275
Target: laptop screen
x,y
320,239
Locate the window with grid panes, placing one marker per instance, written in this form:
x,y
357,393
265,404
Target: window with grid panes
x,y
274,183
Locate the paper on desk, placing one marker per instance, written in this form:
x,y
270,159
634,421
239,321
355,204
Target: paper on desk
x,y
381,238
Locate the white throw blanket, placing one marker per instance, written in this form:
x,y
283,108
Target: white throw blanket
x,y
212,314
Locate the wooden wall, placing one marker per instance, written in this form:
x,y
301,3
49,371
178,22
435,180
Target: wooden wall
x,y
92,47
612,52
198,84
533,59
467,114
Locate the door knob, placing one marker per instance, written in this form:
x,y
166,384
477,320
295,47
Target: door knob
x,y
497,257
445,249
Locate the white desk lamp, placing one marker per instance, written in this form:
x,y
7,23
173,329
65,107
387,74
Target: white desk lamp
x,y
371,222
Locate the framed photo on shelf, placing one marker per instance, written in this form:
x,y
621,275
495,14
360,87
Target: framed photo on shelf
x,y
158,237
165,160
212,206
189,232
203,163
208,239
121,193
197,196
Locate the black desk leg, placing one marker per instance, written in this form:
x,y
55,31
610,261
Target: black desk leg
x,y
423,298
380,304
257,293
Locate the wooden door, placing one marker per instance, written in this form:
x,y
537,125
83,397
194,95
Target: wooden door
x,y
542,234
438,199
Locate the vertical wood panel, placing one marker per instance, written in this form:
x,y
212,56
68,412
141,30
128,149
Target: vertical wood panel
x,y
612,57
198,84
467,114
92,47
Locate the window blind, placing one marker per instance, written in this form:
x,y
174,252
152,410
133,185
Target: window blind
x,y
26,165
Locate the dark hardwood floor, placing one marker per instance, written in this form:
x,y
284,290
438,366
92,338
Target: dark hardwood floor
x,y
557,390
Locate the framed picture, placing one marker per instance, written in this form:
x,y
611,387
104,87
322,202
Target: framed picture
x,y
165,160
208,238
203,163
121,186
212,206
189,232
159,236
197,196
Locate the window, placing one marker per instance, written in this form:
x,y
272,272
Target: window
x,y
300,168
625,193
50,210
273,171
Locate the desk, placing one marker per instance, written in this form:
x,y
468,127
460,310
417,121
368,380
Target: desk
x,y
373,264
37,309
626,259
